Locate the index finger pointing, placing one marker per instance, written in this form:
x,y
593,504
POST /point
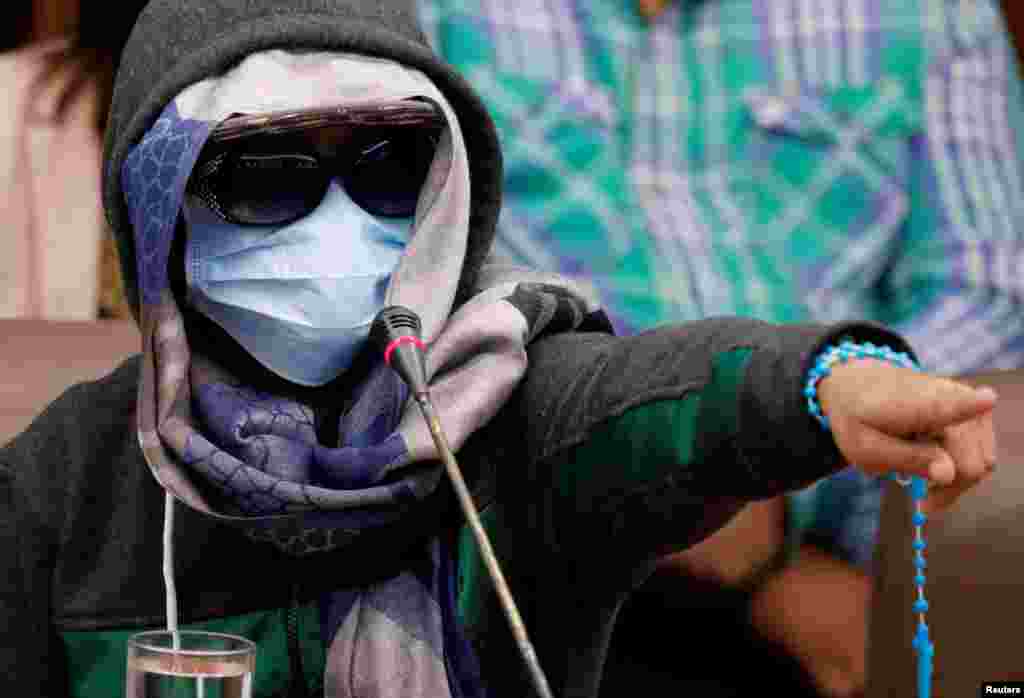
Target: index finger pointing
x,y
944,402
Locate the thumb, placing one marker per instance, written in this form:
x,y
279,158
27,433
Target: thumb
x,y
939,403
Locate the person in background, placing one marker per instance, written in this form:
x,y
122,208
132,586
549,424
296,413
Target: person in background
x,y
785,160
56,260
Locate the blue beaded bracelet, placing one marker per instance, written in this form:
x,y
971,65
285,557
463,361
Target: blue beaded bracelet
x,y
918,486
845,351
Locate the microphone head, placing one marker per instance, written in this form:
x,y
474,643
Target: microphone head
x,y
393,322
396,332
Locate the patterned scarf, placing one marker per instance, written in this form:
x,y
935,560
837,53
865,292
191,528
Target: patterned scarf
x,y
253,457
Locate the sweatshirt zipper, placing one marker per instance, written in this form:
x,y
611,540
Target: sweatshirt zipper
x,y
298,687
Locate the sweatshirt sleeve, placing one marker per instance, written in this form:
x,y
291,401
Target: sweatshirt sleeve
x,y
50,476
725,394
31,663
655,440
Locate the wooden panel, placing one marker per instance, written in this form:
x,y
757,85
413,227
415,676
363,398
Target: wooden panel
x,y
39,360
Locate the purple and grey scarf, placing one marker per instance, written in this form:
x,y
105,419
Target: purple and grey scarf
x,y
234,451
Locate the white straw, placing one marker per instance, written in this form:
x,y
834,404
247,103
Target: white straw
x,y
172,594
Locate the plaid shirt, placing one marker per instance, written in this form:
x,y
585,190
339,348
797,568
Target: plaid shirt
x,y
789,160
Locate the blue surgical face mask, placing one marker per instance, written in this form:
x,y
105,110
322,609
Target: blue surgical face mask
x,y
299,297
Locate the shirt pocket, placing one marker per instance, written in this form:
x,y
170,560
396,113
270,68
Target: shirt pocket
x,y
567,202
824,180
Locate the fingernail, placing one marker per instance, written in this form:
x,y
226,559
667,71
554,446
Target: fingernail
x,y
987,392
941,473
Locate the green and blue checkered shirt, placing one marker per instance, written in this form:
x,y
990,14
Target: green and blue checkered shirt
x,y
784,159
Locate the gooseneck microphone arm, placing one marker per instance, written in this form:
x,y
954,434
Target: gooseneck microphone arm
x,y
396,331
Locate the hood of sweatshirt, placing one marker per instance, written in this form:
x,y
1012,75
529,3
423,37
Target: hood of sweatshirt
x,y
178,43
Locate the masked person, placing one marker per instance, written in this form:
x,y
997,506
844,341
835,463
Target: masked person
x,y
275,177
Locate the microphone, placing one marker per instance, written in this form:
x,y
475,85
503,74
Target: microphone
x,y
396,332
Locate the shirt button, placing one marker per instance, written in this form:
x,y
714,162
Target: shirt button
x,y
771,111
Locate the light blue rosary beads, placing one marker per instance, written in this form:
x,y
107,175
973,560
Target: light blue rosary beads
x,y
922,644
918,489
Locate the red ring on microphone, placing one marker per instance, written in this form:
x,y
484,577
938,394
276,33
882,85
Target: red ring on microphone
x,y
405,339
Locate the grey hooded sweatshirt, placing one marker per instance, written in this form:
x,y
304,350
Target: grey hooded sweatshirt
x,y
603,452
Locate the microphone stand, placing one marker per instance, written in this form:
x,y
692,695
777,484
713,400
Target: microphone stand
x,y
397,331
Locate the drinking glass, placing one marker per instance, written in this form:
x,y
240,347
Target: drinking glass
x,y
189,664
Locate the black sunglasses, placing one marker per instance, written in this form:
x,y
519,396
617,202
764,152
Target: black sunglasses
x,y
269,170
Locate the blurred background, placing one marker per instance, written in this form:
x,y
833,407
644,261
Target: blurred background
x,y
73,274
56,260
